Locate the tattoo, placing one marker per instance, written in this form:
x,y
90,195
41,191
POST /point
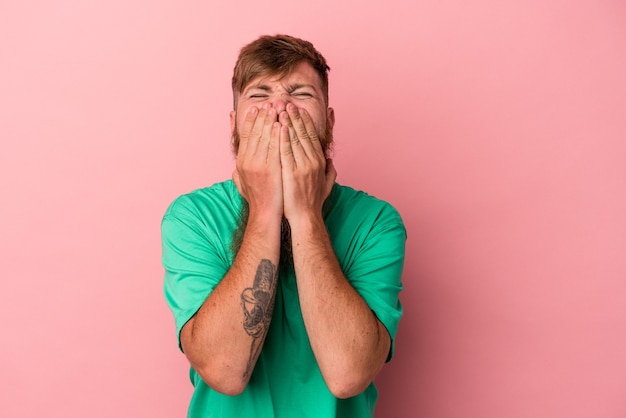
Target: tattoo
x,y
257,303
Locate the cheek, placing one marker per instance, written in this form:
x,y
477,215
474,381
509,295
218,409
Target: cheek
x,y
320,123
318,117
240,118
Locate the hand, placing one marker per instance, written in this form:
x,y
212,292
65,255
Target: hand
x,y
258,174
307,176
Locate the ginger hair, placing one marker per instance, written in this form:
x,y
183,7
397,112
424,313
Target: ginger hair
x,y
276,55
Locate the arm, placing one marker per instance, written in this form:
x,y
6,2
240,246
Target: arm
x,y
224,338
349,342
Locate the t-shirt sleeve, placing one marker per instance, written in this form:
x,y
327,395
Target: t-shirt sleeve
x,y
376,272
193,258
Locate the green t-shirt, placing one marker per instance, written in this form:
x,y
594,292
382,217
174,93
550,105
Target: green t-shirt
x,y
368,237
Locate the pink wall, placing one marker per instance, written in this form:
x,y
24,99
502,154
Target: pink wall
x,y
498,129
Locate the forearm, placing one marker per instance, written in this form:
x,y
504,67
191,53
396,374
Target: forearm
x,y
348,341
223,340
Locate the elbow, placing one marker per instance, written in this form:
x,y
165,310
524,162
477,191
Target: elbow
x,y
217,370
222,380
348,384
350,378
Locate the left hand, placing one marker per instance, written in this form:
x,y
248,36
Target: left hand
x,y
307,175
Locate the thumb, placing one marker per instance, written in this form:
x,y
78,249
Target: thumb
x,y
237,180
330,169
331,174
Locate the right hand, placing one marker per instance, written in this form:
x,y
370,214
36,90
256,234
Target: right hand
x,y
258,169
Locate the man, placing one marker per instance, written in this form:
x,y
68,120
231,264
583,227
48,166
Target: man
x,y
284,285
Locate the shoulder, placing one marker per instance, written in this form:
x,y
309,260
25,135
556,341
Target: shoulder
x,y
218,199
209,212
348,203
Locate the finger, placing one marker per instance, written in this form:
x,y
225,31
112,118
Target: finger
x,y
263,141
312,133
256,131
273,151
300,134
248,123
287,160
295,144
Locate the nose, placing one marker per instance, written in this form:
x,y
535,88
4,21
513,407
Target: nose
x,y
280,103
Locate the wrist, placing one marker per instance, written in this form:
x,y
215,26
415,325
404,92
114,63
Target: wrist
x,y
264,219
306,223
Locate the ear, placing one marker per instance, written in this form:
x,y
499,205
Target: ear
x,y
330,117
233,118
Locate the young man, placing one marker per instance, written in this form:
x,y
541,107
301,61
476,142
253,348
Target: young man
x,y
283,284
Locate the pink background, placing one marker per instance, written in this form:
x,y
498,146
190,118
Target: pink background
x,y
498,130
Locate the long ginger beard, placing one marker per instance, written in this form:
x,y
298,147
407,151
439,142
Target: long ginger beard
x,y
286,249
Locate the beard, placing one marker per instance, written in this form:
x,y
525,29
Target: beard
x,y
286,252
286,248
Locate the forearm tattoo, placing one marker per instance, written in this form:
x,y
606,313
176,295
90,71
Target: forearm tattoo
x,y
257,303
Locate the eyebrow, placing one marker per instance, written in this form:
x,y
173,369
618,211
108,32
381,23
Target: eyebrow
x,y
294,87
259,87
290,88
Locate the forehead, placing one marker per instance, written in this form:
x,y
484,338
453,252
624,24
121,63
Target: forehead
x,y
302,74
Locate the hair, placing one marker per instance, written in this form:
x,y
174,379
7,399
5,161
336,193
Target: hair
x,y
276,55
